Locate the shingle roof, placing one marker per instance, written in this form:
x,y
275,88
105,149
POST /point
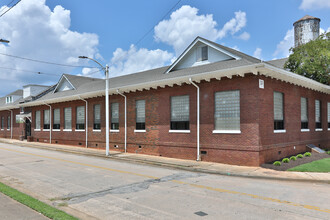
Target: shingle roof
x,y
279,63
18,92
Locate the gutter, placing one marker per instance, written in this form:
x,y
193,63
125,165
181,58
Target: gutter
x,y
198,108
86,128
125,118
50,122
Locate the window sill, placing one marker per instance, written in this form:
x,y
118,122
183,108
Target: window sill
x,y
45,129
114,131
56,130
179,131
2,129
226,131
328,129
97,130
67,129
280,131
8,129
304,130
139,131
79,130
37,130
318,129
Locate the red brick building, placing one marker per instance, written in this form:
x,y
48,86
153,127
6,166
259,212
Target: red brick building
x,y
251,111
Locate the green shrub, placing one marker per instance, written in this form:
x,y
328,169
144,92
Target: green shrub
x,y
286,160
307,154
300,156
277,163
328,152
293,158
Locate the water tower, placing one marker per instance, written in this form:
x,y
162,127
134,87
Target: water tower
x,y
306,29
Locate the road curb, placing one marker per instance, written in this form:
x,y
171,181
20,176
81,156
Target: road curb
x,y
170,165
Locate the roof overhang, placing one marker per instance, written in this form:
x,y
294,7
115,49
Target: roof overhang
x,y
256,69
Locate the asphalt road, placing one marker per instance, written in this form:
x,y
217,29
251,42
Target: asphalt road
x,y
91,187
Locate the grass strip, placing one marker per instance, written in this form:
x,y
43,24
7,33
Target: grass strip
x,y
35,204
322,165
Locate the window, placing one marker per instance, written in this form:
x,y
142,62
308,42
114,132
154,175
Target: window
x,y
97,117
115,116
2,122
180,112
202,53
318,123
38,120
304,113
9,99
140,109
57,121
46,119
278,111
8,123
227,110
80,120
328,115
67,118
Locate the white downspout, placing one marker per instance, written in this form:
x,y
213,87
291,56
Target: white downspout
x,y
86,129
125,118
198,108
50,122
11,124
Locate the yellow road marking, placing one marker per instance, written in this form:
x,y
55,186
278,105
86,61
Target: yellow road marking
x,y
180,182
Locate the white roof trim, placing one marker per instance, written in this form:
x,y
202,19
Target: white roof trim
x,y
259,68
59,82
198,39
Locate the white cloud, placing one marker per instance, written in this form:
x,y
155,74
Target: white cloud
x,y
314,4
257,53
282,48
37,32
185,25
244,36
135,60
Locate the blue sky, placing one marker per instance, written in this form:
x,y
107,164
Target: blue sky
x,y
60,30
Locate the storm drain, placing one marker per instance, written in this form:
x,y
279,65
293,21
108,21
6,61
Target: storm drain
x,y
200,213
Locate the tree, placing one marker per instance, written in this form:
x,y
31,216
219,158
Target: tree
x,y
312,59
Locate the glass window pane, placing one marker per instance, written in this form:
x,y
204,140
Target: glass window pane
x,y
278,106
317,111
114,112
140,111
67,118
57,116
227,110
80,115
97,114
46,117
304,115
37,119
180,108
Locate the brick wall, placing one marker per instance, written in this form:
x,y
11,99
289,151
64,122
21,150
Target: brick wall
x,y
256,144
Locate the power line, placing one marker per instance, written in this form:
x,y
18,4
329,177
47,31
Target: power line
x,y
30,71
169,11
7,6
46,62
10,8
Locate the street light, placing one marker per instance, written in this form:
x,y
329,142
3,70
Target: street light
x,y
4,41
107,131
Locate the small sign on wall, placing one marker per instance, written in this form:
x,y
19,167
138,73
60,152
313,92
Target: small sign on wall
x,y
261,84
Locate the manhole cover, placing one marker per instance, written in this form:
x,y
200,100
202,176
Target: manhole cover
x,y
200,213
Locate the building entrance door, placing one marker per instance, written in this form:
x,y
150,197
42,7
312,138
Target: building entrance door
x,y
27,128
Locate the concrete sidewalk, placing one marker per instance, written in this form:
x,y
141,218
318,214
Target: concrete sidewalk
x,y
188,165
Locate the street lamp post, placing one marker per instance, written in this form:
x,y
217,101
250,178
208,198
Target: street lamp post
x,y
107,131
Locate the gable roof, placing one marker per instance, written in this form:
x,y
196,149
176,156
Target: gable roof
x,y
279,63
225,50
